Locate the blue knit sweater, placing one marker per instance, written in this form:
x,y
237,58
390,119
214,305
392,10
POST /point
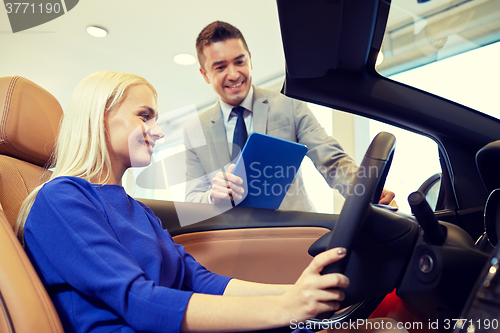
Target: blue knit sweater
x,y
107,263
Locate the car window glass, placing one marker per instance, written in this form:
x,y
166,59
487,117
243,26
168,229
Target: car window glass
x,y
415,160
453,42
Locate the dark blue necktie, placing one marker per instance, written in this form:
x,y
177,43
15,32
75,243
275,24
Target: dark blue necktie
x,y
240,131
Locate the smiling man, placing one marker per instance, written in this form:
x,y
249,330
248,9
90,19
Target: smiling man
x,y
226,64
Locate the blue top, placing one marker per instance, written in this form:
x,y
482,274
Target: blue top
x,y
107,263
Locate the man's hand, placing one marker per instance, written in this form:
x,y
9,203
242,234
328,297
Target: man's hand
x,y
225,186
386,198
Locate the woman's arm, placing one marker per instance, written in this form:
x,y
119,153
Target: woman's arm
x,y
310,295
237,287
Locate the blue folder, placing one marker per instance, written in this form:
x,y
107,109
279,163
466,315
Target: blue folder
x,y
268,166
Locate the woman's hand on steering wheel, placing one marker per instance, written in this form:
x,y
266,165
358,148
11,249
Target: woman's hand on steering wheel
x,y
314,293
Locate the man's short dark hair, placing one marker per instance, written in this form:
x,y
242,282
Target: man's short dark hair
x,y
217,31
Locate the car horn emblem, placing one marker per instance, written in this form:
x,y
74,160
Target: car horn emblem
x,y
28,14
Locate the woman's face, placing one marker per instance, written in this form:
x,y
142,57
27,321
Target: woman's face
x,y
132,130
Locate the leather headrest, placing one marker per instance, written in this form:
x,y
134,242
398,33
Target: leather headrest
x,y
29,120
488,163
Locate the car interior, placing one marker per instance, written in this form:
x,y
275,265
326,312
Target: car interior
x,y
30,119
435,264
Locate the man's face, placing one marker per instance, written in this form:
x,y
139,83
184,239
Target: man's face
x,y
228,68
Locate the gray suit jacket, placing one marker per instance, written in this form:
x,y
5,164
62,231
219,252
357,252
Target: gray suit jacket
x,y
276,115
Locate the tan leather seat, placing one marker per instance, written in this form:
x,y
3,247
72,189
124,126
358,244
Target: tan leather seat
x,y
29,122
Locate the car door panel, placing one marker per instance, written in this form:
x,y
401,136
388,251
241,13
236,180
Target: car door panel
x,y
267,255
254,244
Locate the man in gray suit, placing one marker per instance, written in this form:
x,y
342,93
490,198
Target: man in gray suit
x,y
225,63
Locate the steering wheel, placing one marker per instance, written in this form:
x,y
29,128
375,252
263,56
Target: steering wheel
x,y
365,190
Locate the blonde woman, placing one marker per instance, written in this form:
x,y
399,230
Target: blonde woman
x,y
104,258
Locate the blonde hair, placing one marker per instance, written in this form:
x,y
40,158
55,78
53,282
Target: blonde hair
x,y
81,149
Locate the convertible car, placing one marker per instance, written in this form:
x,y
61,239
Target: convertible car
x,y
431,269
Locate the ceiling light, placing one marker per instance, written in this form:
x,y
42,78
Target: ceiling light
x,y
184,59
96,31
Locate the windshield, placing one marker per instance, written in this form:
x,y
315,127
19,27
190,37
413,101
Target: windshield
x,y
446,47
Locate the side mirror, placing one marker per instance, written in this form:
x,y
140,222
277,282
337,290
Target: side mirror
x,y
433,191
